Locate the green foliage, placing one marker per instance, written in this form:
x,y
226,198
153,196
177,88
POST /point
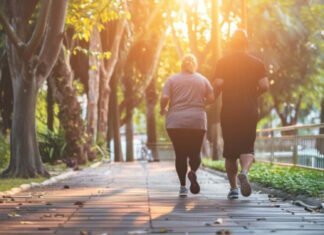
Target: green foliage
x,y
102,149
291,42
51,145
84,15
4,151
294,180
41,112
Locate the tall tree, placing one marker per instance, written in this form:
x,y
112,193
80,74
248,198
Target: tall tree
x,y
78,148
31,57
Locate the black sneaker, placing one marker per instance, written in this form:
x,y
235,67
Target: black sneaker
x,y
233,194
194,187
246,189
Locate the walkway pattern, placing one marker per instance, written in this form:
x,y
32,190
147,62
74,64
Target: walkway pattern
x,y
141,198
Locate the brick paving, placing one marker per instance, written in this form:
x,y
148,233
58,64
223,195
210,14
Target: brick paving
x,y
142,198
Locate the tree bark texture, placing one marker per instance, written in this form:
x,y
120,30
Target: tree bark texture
x,y
93,85
151,100
118,153
29,68
77,148
6,96
50,106
106,71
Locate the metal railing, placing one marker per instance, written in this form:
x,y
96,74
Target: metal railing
x,y
301,145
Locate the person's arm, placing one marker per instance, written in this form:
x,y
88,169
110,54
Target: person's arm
x,y
164,101
218,86
210,99
209,93
263,86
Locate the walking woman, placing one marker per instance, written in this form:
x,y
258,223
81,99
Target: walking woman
x,y
183,100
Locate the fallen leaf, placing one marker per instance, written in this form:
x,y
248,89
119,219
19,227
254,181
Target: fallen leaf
x,y
138,232
59,215
219,221
13,214
223,232
26,222
160,230
273,199
66,186
78,203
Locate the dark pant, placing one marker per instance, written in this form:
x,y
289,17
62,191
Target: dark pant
x,y
187,144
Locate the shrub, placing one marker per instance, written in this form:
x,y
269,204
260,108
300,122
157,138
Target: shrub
x,y
292,179
51,145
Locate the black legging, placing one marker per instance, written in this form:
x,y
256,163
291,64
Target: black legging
x,y
187,144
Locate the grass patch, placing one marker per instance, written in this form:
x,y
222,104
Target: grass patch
x,y
9,183
295,180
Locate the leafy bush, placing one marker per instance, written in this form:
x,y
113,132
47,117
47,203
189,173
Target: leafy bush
x,y
295,180
4,151
51,145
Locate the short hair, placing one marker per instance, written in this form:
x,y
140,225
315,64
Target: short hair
x,y
239,39
189,63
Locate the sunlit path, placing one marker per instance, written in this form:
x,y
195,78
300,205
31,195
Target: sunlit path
x,y
141,198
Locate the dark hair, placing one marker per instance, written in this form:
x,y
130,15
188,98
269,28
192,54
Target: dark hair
x,y
239,39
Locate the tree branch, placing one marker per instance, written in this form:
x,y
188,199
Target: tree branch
x,y
149,76
38,33
52,41
109,68
177,42
13,37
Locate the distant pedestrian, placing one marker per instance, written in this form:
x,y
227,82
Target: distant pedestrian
x,y
183,101
242,78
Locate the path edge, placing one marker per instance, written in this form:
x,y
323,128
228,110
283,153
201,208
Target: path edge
x,y
52,180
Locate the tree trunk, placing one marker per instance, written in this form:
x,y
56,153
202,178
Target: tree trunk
x,y
118,153
50,106
76,149
151,100
244,18
25,158
28,71
93,84
320,141
6,96
106,72
129,136
216,48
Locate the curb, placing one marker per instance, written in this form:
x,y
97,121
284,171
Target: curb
x,y
295,199
24,187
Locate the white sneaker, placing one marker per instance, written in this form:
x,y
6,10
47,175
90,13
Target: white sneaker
x,y
183,192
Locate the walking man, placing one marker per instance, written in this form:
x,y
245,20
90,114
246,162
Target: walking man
x,y
241,78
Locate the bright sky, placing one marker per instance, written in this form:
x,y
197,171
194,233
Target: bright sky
x,y
204,14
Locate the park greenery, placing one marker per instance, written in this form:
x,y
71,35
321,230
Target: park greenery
x,y
76,74
294,180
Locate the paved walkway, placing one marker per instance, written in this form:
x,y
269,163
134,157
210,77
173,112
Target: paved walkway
x,y
141,198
